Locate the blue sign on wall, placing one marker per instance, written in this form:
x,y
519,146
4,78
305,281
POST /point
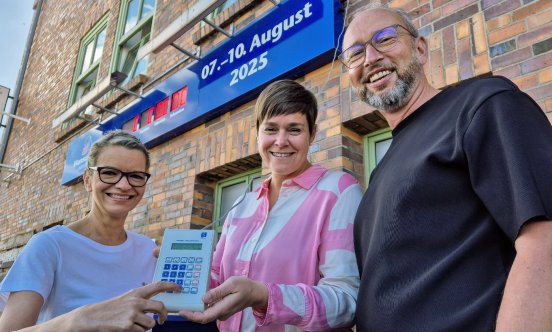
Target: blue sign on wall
x,y
294,38
77,154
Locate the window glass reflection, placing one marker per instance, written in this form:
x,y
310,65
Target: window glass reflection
x,y
132,15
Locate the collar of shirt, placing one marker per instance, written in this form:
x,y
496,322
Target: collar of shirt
x,y
306,180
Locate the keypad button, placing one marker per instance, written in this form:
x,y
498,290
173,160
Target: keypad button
x,y
171,280
165,274
195,282
181,274
187,282
188,274
180,282
198,267
191,260
167,267
174,267
186,290
168,260
196,274
176,260
184,260
173,275
182,267
193,290
199,260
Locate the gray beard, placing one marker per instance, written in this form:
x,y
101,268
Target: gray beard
x,y
398,95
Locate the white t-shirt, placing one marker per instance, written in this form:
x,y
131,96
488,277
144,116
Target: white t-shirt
x,y
70,270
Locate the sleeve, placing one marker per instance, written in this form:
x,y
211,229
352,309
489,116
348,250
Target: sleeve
x,y
509,154
33,270
332,302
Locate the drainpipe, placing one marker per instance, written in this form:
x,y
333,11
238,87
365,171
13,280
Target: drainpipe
x,y
6,134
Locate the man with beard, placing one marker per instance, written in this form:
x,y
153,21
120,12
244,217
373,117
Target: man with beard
x,y
453,232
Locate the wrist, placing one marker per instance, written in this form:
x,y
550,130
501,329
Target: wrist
x,y
76,320
260,302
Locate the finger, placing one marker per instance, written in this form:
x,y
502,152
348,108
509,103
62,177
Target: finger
x,y
158,287
156,251
145,322
162,313
216,294
198,317
221,310
156,307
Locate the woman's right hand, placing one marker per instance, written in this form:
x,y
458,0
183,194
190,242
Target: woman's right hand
x,y
127,312
233,295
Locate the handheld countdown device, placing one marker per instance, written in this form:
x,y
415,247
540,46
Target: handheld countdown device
x,y
185,258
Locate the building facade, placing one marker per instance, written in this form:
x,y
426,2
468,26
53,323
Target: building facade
x,y
189,91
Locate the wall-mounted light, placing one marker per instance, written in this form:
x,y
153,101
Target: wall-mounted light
x,y
17,169
4,95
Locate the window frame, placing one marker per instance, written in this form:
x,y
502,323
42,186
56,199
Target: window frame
x,y
79,76
225,5
121,37
370,142
247,177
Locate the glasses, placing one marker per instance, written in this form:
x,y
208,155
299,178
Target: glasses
x,y
383,41
111,175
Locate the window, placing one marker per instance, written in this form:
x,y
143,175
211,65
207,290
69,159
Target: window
x,y
132,125
376,145
161,108
146,117
228,191
134,30
179,98
88,61
225,5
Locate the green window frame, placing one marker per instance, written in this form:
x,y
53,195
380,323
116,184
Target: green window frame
x,y
133,31
88,60
250,179
370,149
225,5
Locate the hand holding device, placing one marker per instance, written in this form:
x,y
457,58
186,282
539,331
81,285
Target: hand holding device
x,y
185,258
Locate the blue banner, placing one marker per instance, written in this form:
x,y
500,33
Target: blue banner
x,y
77,155
294,38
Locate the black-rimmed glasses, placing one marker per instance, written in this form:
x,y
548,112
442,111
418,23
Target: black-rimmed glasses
x,y
112,175
383,41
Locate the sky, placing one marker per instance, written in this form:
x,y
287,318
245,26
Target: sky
x,y
15,21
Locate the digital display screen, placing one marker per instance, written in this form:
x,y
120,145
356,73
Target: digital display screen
x,y
186,246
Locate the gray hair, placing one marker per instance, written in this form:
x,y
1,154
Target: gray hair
x,y
117,138
405,19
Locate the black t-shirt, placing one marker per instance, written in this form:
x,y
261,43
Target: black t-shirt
x,y
435,231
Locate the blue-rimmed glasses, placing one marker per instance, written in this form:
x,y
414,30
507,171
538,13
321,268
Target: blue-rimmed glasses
x,y
112,175
383,41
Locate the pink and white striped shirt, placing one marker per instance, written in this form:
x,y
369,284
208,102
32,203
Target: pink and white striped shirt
x,y
302,250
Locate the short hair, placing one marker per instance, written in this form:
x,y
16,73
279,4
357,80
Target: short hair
x,y
117,138
286,97
403,16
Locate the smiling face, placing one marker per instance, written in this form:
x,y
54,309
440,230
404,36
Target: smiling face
x,y
115,201
384,80
283,142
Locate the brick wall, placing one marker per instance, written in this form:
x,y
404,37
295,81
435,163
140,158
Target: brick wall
x,y
466,38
